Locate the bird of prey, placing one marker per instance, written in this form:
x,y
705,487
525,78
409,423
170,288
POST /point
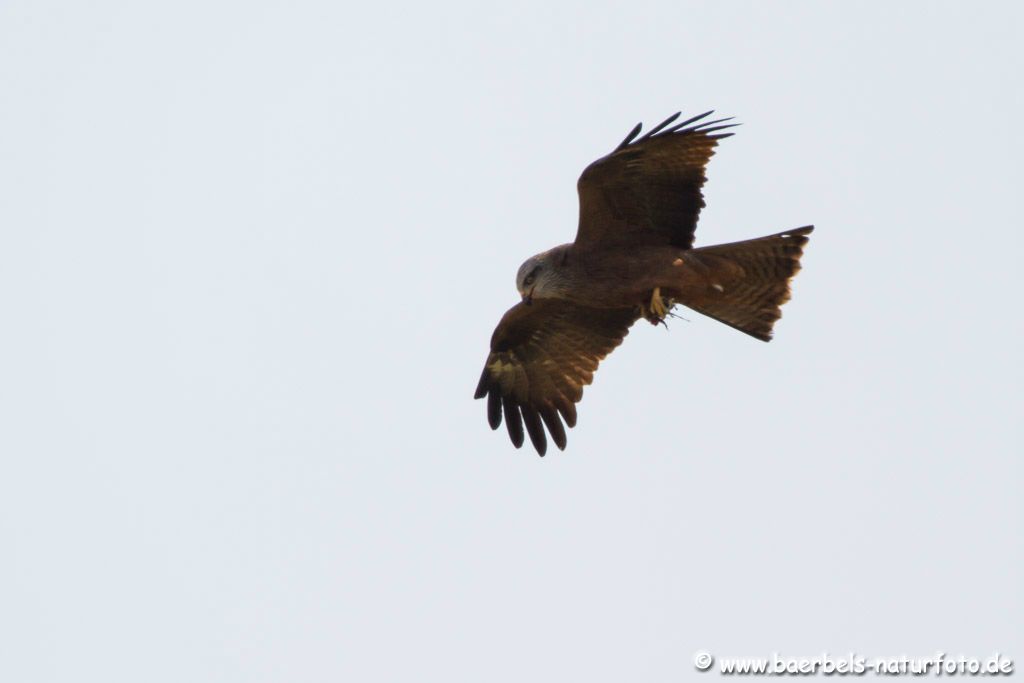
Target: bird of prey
x,y
633,258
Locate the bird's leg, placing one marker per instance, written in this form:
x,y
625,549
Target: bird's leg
x,y
657,307
657,304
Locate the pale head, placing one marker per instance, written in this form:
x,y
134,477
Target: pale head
x,y
539,276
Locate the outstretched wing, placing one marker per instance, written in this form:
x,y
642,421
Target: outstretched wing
x,y
542,355
647,191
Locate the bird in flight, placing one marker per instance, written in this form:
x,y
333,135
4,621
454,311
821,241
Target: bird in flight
x,y
633,258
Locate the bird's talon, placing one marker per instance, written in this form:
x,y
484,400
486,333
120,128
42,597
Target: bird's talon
x,y
657,307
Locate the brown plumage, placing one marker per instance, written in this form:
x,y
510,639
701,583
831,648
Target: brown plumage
x,y
632,258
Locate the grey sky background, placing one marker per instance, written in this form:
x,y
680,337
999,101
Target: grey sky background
x,y
251,257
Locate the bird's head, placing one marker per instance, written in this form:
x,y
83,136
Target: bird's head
x,y
537,277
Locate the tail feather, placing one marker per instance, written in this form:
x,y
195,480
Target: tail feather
x,y
748,281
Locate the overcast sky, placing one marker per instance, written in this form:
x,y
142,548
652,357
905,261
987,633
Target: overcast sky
x,y
251,255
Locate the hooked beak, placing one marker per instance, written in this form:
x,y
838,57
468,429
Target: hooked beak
x,y
528,297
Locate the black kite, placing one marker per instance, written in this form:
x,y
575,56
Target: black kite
x,y
633,257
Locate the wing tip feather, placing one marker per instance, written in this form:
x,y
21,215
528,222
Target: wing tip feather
x,y
513,421
683,128
629,138
535,429
550,416
494,410
483,385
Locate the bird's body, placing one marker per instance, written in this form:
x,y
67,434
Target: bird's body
x,y
627,277
632,257
613,278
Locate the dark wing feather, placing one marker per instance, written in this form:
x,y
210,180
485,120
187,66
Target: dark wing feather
x,y
542,355
648,191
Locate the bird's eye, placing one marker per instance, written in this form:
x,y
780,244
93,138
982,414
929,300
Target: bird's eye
x,y
528,281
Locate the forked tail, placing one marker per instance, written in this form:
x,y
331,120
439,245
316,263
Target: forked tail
x,y
748,281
